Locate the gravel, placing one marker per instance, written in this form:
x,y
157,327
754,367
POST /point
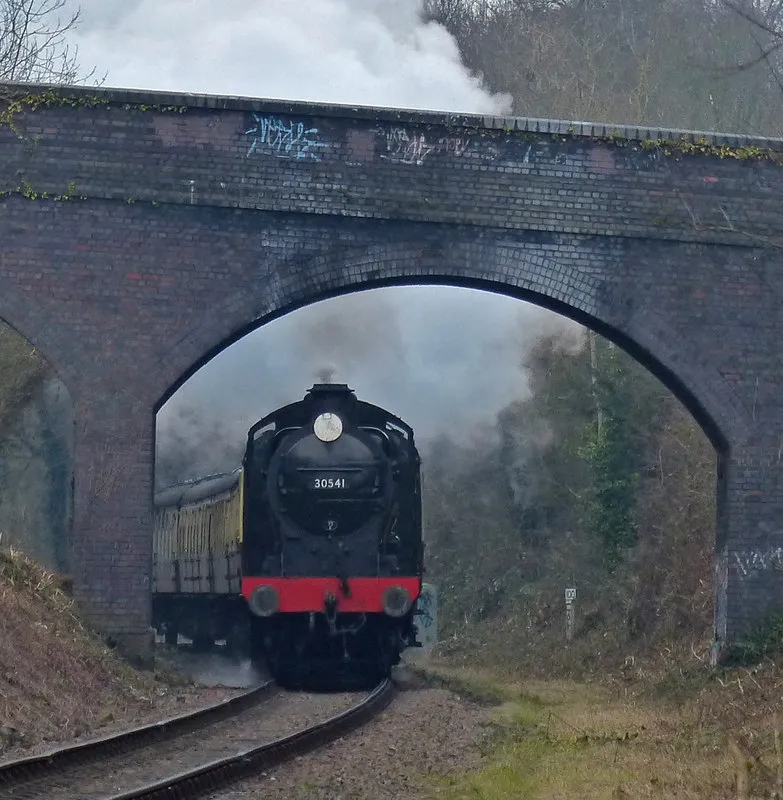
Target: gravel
x,y
423,734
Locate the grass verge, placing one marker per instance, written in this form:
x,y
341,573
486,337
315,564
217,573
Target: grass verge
x,y
566,739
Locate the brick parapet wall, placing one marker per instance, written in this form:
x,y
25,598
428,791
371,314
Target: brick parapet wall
x,y
509,173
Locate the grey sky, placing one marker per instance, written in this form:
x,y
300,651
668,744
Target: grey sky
x,y
442,358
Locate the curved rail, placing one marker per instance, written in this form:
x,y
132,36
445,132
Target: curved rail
x,y
217,774
15,772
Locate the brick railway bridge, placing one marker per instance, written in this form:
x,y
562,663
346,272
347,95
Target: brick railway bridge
x,y
144,232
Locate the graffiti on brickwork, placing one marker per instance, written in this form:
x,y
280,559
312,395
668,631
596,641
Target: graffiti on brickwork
x,y
402,146
284,139
457,145
523,156
409,149
547,159
748,561
414,148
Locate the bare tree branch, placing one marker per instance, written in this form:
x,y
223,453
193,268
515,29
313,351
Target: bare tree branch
x,y
34,45
741,10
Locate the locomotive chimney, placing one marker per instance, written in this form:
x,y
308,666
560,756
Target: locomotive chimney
x,y
325,374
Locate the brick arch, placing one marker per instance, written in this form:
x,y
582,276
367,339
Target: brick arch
x,y
516,271
524,270
48,337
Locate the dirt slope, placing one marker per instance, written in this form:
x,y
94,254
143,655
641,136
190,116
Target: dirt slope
x,y
58,681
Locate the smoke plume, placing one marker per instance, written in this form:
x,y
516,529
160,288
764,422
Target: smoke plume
x,y
446,360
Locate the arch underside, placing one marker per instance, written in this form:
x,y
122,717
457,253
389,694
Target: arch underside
x,y
582,278
36,435
45,334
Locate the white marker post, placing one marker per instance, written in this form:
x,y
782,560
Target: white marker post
x,y
570,596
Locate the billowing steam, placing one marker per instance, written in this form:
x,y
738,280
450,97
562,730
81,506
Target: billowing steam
x,y
219,669
340,338
325,375
527,447
370,52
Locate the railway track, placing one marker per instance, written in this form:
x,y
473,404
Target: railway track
x,y
195,753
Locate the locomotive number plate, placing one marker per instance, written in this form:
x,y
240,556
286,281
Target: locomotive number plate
x,y
329,483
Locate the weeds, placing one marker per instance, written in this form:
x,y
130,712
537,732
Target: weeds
x,y
20,571
718,737
763,641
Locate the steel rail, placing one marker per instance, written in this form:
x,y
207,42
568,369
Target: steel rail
x,y
51,762
219,773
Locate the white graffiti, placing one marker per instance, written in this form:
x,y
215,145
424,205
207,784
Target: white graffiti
x,y
749,560
408,148
453,144
284,139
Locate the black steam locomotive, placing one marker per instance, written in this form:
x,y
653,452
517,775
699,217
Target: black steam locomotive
x,y
321,533
332,555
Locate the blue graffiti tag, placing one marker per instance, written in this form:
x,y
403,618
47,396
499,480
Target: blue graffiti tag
x,y
424,610
284,139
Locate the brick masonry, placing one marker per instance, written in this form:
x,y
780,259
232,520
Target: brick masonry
x,y
143,232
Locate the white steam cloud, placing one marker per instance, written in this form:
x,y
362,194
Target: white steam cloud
x,y
366,52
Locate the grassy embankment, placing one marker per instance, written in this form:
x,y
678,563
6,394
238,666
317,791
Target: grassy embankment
x,y
692,733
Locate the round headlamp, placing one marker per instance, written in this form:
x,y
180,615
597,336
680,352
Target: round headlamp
x,y
396,601
264,601
328,427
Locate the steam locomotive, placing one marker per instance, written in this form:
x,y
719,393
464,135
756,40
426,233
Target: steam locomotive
x,y
311,554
